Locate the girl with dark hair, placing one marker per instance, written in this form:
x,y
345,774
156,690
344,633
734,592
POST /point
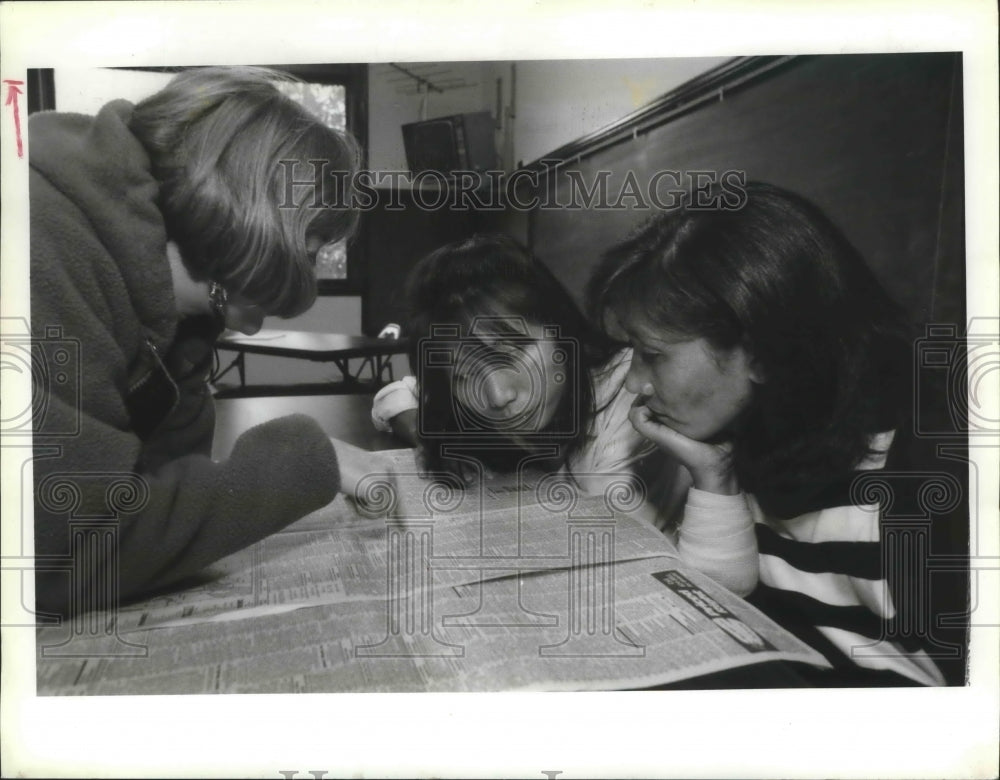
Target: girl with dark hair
x,y
153,226
770,363
509,370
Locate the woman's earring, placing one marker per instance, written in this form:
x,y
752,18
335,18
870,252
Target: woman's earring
x,y
217,298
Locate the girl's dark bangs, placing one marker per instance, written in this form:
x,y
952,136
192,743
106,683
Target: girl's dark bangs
x,y
487,315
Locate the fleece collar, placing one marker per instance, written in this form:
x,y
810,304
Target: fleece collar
x,y
103,168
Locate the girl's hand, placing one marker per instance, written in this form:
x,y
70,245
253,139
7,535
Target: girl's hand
x,y
404,426
710,465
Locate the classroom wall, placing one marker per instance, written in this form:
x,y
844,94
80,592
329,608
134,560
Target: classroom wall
x,y
392,103
559,101
554,101
85,90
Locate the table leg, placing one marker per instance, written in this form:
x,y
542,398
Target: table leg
x,y
383,367
344,367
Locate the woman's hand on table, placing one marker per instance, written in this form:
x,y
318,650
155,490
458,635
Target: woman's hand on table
x,y
355,465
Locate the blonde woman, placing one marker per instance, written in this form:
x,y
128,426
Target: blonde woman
x,y
153,226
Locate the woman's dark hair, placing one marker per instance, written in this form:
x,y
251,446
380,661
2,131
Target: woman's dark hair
x,y
776,278
485,286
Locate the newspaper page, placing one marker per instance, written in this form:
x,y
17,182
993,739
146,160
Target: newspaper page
x,y
340,552
415,583
623,625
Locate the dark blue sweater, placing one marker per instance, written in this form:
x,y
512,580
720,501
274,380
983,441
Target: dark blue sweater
x,y
123,415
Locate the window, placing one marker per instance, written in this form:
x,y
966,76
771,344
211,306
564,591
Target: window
x,y
328,103
338,95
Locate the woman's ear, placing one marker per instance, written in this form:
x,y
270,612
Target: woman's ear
x,y
754,367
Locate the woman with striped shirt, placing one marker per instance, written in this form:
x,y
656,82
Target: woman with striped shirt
x,y
769,361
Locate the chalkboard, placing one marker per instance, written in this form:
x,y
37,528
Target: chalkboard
x,y
874,140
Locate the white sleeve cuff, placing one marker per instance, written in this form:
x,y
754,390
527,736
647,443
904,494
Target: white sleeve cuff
x,y
717,538
714,515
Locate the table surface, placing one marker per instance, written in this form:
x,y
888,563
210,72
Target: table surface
x,y
345,417
312,346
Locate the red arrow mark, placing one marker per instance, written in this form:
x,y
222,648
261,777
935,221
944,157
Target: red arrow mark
x,y
12,93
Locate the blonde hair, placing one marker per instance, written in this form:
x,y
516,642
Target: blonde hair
x,y
223,143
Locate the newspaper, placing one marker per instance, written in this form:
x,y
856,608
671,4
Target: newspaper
x,y
339,552
508,583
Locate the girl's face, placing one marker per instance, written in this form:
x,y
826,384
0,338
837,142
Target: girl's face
x,y
688,385
513,385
